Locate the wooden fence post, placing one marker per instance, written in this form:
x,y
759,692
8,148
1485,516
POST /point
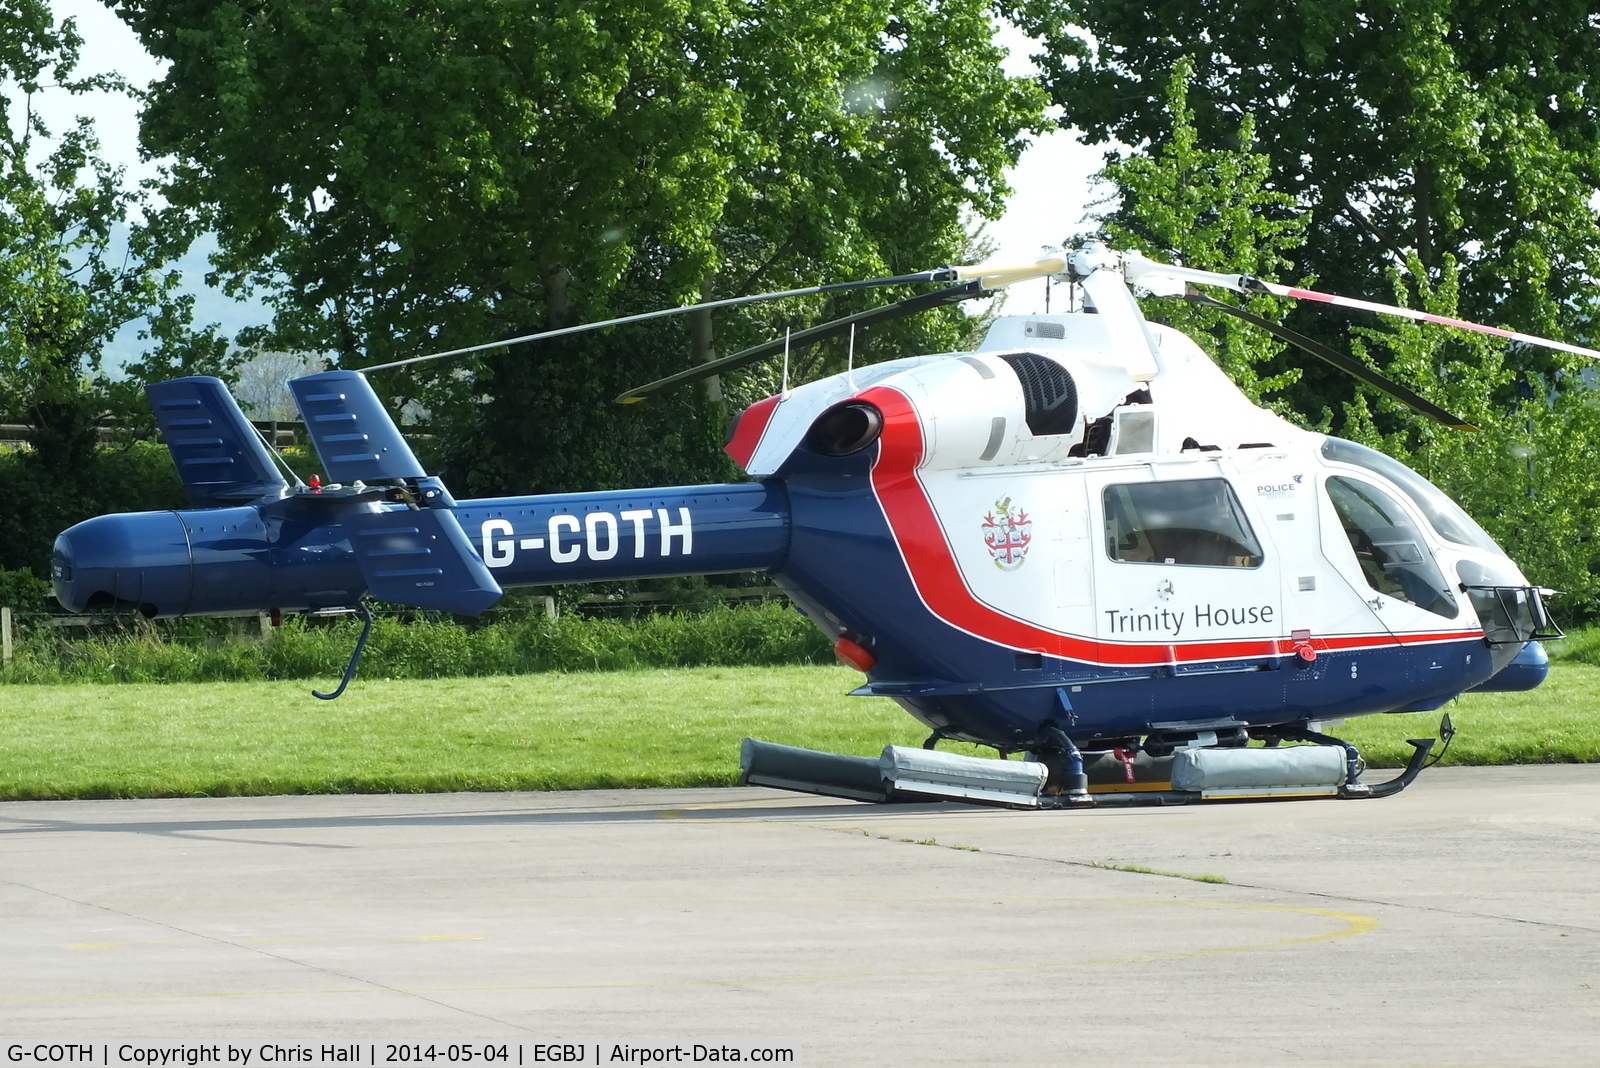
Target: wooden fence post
x,y
5,635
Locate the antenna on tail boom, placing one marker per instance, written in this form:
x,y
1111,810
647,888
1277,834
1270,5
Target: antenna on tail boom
x,y
785,394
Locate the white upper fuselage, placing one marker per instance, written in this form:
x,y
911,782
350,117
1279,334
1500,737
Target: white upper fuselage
x,y
1028,518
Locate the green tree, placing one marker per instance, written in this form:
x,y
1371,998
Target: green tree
x,y
1531,476
401,180
1211,209
1413,132
69,281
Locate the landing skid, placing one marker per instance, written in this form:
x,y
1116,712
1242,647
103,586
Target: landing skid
x,y
1117,778
1420,748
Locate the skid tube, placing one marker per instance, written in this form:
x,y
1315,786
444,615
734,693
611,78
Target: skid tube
x,y
1421,748
889,779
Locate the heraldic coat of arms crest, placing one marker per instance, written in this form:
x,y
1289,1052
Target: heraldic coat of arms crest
x,y
1007,531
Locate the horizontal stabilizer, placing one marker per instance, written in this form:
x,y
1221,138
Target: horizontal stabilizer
x,y
421,558
353,433
219,455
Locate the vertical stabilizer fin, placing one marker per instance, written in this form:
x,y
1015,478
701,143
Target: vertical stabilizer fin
x,y
219,455
421,557
353,433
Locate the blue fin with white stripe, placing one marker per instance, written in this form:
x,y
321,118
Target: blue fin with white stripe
x,y
220,457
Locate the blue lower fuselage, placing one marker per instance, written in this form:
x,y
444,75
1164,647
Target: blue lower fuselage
x,y
821,531
845,570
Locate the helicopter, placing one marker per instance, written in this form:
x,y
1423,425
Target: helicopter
x,y
1079,543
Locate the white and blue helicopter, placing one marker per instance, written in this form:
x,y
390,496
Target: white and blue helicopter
x,y
1079,542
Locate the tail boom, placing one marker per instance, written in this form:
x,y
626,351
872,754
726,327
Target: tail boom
x,y
300,553
630,534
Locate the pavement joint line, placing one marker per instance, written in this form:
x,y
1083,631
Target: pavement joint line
x,y
1355,924
757,821
1424,908
179,827
259,951
1323,894
1343,898
199,836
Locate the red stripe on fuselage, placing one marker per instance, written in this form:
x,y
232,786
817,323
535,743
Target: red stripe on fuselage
x,y
749,430
944,590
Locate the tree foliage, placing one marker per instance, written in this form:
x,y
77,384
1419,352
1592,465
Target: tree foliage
x,y
1531,476
1210,209
400,180
75,268
1431,136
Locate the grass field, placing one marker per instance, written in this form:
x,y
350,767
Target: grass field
x,y
571,731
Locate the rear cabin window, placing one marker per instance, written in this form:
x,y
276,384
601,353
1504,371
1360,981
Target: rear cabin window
x,y
1196,522
1388,546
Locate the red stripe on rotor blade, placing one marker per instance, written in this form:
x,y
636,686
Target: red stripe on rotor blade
x,y
1404,313
749,430
1427,317
943,588
1464,325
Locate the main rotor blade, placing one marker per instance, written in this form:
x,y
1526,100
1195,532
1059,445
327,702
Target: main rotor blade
x,y
810,336
1347,364
999,275
1140,270
1257,285
944,274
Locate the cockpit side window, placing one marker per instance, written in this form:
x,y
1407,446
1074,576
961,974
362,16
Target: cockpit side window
x,y
1448,519
1196,522
1393,557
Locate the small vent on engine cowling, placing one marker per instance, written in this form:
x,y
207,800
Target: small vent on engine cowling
x,y
1050,393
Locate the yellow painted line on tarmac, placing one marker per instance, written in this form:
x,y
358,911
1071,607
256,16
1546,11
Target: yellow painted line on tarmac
x,y
177,995
326,940
1355,924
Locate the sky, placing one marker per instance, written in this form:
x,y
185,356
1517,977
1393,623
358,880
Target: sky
x,y
1051,183
1052,188
109,46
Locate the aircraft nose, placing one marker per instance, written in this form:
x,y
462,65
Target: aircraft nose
x,y
138,558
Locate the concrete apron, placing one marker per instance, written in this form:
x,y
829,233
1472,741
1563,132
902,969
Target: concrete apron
x,y
1453,924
